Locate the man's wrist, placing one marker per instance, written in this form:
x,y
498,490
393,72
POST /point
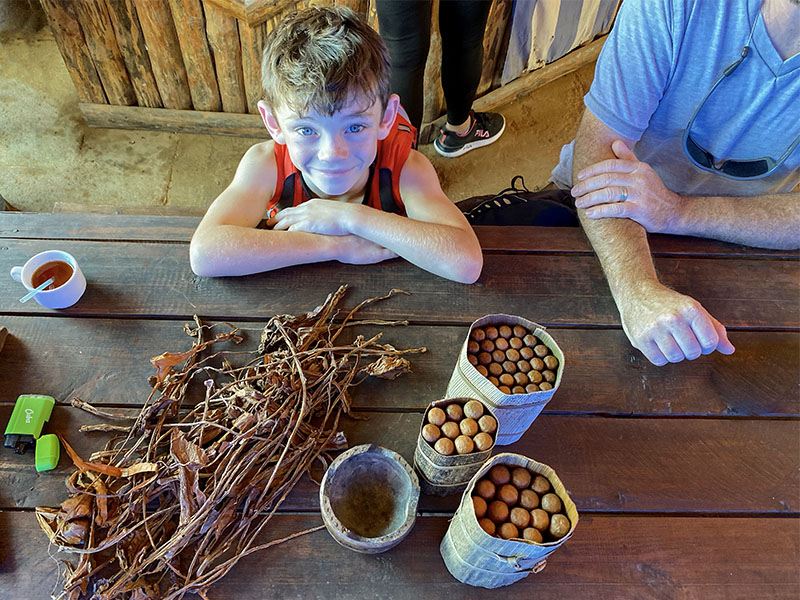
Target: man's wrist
x,y
632,288
682,216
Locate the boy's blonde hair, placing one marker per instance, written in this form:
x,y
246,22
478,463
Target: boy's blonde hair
x,y
321,58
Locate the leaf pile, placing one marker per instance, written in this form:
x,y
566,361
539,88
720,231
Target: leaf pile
x,y
171,505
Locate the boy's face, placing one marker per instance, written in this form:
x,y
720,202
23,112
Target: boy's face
x,y
333,152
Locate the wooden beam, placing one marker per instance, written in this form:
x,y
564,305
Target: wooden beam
x,y
190,26
164,50
175,121
255,12
134,51
252,43
432,94
102,45
524,85
70,41
223,37
493,38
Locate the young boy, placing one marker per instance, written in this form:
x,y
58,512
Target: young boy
x,y
339,180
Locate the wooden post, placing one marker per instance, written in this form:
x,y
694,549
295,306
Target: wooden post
x,y
165,52
359,6
187,16
252,40
134,52
372,15
223,37
102,45
493,42
433,97
69,38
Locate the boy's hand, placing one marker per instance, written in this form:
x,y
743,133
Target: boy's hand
x,y
324,217
356,250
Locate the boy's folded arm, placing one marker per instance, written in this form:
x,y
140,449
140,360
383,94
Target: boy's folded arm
x,y
436,236
226,241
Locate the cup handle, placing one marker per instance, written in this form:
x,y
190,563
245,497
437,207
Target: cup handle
x,y
16,274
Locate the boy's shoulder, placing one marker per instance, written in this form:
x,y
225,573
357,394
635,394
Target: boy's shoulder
x,y
262,152
257,170
418,179
415,164
259,159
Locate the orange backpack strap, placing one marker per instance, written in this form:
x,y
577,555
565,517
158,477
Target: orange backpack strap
x,y
288,188
393,151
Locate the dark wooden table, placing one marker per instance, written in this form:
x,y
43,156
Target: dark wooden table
x,y
686,476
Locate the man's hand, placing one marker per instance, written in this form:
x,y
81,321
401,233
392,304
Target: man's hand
x,y
669,327
602,185
356,250
325,217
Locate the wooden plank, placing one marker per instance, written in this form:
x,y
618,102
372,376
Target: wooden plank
x,y
252,39
102,45
608,558
113,209
106,362
433,95
572,239
359,6
254,12
678,466
187,16
493,38
97,227
223,37
175,121
134,52
524,85
156,279
165,53
524,240
69,38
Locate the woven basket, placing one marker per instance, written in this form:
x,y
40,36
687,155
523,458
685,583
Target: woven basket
x,y
474,557
514,412
441,475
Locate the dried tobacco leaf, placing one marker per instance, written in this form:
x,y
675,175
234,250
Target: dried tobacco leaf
x,y
171,506
388,367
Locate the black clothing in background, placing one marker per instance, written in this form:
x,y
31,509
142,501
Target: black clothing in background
x,y
405,26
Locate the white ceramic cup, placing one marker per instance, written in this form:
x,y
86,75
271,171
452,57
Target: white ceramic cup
x,y
62,296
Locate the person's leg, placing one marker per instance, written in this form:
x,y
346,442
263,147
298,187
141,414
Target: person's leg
x,y
462,24
405,26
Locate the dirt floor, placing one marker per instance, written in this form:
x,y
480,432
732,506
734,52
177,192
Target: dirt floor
x,y
48,155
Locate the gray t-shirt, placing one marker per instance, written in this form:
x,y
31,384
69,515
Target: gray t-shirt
x,y
661,59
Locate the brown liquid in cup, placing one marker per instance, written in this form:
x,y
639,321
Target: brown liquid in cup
x,y
59,270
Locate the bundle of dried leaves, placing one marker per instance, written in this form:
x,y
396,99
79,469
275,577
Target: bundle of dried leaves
x,y
170,507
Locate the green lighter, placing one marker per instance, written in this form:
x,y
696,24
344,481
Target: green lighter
x,y
27,419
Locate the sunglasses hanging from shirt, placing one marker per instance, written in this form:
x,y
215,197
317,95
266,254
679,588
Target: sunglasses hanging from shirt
x,y
732,169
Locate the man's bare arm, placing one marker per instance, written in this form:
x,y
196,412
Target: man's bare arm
x,y
665,325
771,221
768,221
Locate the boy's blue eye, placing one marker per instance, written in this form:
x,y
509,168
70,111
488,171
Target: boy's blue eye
x,y
304,131
355,128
